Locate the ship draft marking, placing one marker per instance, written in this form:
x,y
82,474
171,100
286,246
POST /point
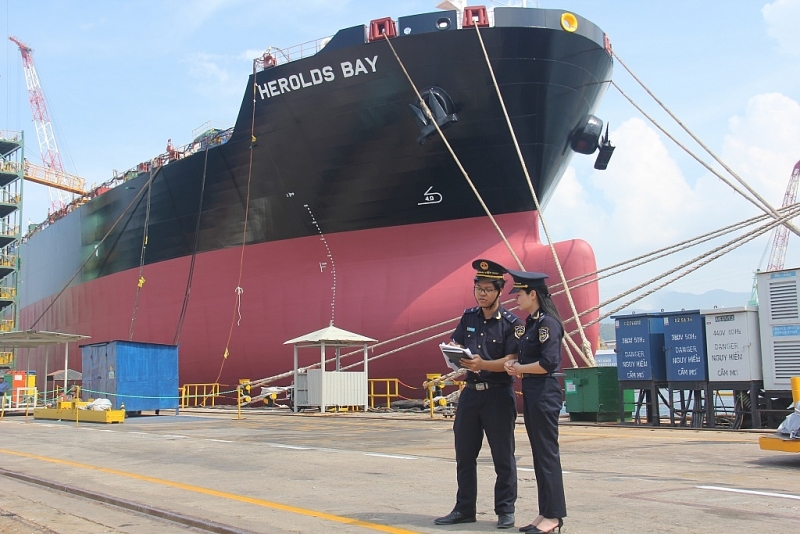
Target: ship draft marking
x,y
431,197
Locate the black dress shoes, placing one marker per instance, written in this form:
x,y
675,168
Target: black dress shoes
x,y
455,517
505,520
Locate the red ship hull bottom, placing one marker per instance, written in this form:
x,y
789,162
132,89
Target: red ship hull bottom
x,y
380,283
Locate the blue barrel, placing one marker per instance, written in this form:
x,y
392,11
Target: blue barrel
x,y
640,347
685,346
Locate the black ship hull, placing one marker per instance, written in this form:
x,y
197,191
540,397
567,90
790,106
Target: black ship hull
x,y
322,179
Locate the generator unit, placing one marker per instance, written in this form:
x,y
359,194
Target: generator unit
x,y
779,322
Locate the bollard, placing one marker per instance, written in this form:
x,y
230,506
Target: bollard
x,y
796,392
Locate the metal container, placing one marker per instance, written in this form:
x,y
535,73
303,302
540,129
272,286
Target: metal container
x,y
779,318
733,344
592,394
640,347
685,346
140,376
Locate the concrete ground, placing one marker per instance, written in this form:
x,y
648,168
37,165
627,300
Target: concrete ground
x,y
274,472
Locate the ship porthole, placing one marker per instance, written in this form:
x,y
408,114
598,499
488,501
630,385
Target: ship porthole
x,y
569,22
443,23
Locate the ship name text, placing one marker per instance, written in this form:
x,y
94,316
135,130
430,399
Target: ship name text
x,y
312,77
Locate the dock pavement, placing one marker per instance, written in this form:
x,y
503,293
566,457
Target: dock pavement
x,y
270,471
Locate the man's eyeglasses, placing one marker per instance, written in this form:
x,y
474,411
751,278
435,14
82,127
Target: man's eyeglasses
x,y
484,290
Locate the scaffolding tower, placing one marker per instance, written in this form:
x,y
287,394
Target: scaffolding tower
x,y
12,171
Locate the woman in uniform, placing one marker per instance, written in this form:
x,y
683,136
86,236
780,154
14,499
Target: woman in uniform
x,y
539,359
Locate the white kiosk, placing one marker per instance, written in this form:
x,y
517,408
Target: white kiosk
x,y
319,387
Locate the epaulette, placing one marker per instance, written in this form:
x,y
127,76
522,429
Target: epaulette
x,y
472,310
510,317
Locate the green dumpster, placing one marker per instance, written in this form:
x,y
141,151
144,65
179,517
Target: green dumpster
x,y
592,394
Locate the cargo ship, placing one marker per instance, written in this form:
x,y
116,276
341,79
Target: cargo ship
x,y
334,200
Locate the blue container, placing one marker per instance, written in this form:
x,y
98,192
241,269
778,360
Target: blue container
x,y
142,376
685,346
640,347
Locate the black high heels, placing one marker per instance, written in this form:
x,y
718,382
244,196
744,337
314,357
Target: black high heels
x,y
537,530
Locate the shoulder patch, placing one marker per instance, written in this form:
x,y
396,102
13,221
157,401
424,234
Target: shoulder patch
x,y
519,331
544,334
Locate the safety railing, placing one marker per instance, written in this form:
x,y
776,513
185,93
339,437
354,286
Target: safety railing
x,y
194,395
390,390
20,398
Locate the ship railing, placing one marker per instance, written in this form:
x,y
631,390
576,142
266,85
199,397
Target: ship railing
x,y
195,395
118,177
275,56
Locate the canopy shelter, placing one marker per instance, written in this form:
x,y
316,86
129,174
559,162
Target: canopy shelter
x,y
31,339
72,375
317,387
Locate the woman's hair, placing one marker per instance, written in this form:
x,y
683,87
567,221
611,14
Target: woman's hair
x,y
546,303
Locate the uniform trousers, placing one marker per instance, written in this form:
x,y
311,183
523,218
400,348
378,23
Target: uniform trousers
x,y
493,412
542,405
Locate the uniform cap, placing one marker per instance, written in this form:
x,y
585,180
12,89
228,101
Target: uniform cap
x,y
527,280
488,270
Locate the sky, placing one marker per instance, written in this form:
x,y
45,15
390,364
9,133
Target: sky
x,y
123,77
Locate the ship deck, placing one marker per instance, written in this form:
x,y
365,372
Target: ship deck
x,y
276,472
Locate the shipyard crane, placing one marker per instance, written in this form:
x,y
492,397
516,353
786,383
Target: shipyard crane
x,y
52,173
781,237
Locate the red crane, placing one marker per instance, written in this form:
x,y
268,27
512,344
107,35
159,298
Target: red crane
x,y
52,174
781,239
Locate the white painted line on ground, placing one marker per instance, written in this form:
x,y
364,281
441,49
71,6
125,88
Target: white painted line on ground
x,y
390,456
751,492
277,446
219,440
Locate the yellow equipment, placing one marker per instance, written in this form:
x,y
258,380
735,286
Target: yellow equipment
x,y
71,411
778,442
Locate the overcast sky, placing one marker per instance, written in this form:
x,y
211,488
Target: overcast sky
x,y
122,77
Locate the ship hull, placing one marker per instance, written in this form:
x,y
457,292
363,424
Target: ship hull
x,y
322,205
387,283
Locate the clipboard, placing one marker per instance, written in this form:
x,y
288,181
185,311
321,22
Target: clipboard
x,y
453,355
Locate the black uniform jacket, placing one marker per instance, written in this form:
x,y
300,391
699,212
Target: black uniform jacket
x,y
541,342
492,339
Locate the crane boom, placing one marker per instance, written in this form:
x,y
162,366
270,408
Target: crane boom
x,y
781,238
44,128
52,174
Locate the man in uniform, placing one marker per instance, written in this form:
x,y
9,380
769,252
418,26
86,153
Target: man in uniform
x,y
487,404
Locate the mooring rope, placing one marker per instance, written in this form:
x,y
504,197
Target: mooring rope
x,y
92,253
766,205
430,117
140,280
239,290
586,351
190,277
712,255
